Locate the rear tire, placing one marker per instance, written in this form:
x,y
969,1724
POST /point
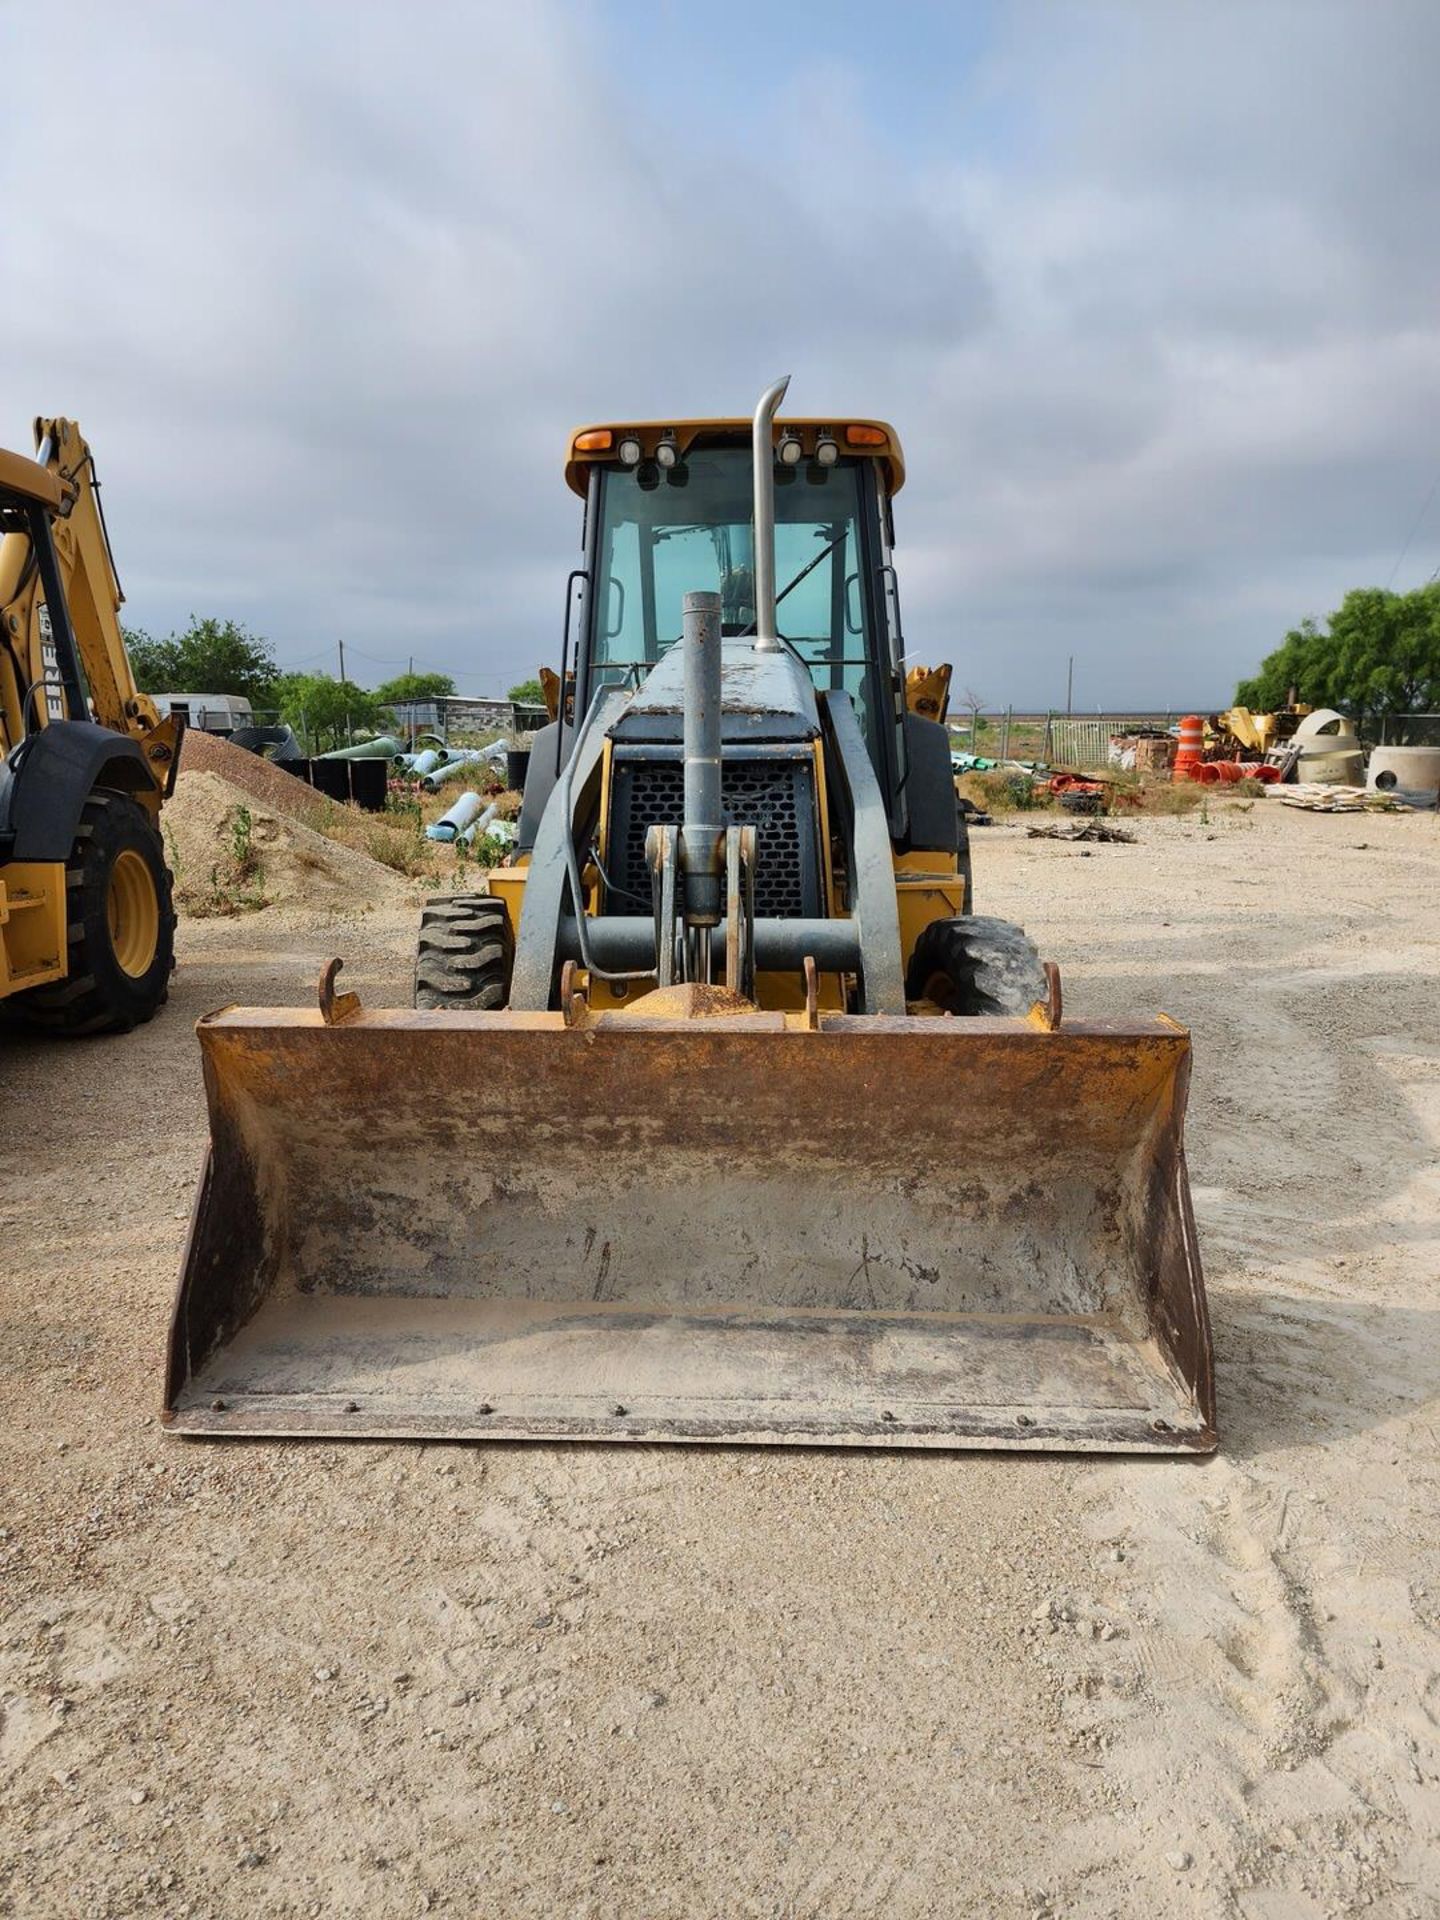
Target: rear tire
x,y
976,965
120,920
464,954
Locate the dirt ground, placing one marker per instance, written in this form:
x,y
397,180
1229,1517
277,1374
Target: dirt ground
x,y
393,1680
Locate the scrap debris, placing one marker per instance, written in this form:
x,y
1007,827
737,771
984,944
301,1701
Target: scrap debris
x,y
1087,830
1315,798
1065,782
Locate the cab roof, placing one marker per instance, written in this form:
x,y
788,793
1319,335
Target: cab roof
x,y
579,459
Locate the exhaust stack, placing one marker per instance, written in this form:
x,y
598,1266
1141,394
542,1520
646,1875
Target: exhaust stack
x,y
766,640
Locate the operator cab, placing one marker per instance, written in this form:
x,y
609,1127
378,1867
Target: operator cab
x,y
669,511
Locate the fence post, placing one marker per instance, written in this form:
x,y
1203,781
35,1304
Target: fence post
x,y
1005,736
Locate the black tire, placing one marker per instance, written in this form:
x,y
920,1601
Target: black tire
x,y
107,989
963,809
976,965
464,953
1082,802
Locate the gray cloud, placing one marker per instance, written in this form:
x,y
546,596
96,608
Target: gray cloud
x,y
1151,294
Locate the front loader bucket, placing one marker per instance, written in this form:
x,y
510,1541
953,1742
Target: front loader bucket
x,y
916,1232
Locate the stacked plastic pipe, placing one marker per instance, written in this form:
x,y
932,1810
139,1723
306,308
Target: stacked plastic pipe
x,y
436,767
465,814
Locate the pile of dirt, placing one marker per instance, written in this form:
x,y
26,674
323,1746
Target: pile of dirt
x,y
281,792
395,838
233,853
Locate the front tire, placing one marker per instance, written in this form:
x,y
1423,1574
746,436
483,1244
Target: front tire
x,y
976,965
120,921
464,954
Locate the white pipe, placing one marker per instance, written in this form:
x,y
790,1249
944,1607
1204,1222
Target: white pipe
x,y
441,776
478,828
449,825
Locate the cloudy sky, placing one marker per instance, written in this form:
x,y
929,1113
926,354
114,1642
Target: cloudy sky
x,y
1151,291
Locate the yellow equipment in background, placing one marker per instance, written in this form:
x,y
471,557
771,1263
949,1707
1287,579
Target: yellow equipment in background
x,y
1240,733
719,1117
86,917
927,691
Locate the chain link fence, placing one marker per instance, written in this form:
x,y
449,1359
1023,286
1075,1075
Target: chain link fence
x,y
1410,730
1083,740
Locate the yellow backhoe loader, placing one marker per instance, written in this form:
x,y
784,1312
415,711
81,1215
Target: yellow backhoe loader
x,y
86,918
718,1118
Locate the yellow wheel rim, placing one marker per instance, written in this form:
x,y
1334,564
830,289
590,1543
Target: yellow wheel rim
x,y
133,911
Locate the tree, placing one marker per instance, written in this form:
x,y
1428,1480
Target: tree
x,y
210,656
978,723
529,693
1293,664
150,661
1380,657
325,711
408,687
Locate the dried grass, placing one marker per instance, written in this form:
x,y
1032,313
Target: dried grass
x,y
999,792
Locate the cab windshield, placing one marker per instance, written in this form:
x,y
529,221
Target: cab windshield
x,y
665,534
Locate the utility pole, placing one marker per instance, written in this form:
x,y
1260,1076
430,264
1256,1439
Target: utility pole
x,y
341,645
1069,683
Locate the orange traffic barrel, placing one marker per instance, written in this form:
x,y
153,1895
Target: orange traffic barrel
x,y
1192,746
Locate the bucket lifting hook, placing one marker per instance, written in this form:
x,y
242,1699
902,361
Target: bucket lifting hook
x,y
335,1007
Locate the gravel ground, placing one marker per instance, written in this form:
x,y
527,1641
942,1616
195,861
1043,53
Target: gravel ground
x,y
545,1681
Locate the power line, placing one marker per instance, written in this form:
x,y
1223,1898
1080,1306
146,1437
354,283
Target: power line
x,y
492,677
348,647
306,659
378,660
1434,489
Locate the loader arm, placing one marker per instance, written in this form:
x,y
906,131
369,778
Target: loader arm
x,y
91,591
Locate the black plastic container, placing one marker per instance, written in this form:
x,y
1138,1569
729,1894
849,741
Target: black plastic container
x,y
517,765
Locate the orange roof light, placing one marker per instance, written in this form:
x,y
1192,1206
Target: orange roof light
x,y
590,448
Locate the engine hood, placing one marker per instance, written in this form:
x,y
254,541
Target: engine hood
x,y
763,696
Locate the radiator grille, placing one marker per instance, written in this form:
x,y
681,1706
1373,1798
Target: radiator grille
x,y
776,797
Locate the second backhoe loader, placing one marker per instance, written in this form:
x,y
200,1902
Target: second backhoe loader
x,y
719,1117
86,916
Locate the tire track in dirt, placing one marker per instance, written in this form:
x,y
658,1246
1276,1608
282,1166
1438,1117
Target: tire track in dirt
x,y
1294,1749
